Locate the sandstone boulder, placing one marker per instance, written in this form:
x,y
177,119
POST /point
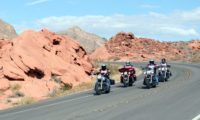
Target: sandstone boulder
x,y
33,58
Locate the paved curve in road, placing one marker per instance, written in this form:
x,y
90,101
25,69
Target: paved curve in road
x,y
178,99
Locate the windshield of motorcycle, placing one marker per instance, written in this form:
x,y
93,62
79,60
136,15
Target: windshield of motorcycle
x,y
100,78
162,68
149,70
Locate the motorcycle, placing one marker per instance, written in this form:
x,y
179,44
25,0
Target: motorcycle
x,y
164,73
102,85
128,76
149,78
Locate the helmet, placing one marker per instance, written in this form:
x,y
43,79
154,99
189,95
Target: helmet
x,y
128,63
151,62
163,60
103,67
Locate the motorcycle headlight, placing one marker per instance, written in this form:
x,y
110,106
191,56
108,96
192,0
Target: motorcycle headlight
x,y
125,73
99,77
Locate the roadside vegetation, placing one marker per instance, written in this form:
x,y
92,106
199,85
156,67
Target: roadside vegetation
x,y
26,101
17,97
68,89
15,88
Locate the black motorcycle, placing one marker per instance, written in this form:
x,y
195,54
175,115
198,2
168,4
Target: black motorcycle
x,y
102,85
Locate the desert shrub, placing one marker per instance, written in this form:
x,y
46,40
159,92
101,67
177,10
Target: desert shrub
x,y
55,78
60,91
15,87
66,87
15,90
17,94
55,92
26,101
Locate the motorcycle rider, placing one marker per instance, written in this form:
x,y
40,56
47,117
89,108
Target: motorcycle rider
x,y
105,72
164,64
154,66
131,70
128,64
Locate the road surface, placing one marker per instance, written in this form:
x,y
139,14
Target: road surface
x,y
178,99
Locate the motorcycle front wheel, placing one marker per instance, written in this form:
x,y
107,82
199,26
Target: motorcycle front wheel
x,y
147,83
97,89
108,89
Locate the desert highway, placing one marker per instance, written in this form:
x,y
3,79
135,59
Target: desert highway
x,y
178,99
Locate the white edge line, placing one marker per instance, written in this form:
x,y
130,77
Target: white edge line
x,y
197,117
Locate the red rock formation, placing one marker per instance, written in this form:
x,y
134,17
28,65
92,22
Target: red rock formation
x,y
33,58
195,44
126,46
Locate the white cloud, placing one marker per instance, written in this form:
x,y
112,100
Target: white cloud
x,y
174,26
193,15
180,31
36,2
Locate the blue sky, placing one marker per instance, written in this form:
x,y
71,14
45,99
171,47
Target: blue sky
x,y
159,19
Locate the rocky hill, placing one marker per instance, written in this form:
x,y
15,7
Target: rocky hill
x,y
190,48
125,46
37,63
88,40
6,30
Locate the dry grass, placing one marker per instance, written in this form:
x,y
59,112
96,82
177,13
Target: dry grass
x,y
81,87
15,90
26,101
114,68
64,91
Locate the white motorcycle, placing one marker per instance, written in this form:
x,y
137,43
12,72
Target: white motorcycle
x,y
163,73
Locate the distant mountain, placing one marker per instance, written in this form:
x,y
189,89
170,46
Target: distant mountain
x,y
7,31
89,41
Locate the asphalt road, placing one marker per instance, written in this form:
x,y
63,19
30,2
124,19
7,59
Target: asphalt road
x,y
178,99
